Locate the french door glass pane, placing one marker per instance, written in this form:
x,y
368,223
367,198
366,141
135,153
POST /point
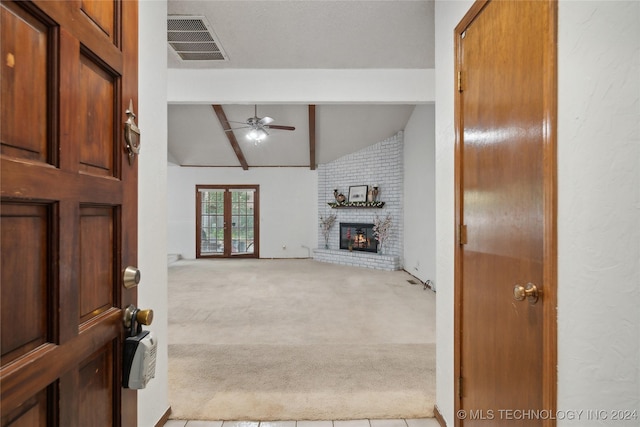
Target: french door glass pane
x,y
242,205
212,222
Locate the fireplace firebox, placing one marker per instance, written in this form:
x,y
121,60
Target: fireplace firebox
x,y
357,237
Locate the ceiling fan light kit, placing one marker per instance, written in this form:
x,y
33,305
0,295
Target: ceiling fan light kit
x,y
257,135
259,126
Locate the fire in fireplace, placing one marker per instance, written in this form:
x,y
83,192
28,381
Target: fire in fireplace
x,y
357,237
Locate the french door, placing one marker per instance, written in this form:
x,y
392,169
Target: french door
x,y
227,221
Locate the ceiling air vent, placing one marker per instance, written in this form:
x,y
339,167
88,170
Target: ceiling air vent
x,y
193,39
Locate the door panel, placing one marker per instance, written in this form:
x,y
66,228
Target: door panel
x,y
97,253
506,66
102,13
242,221
32,414
24,231
97,103
212,222
68,217
95,396
24,84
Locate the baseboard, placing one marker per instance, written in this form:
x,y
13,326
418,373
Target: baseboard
x,y
165,417
438,416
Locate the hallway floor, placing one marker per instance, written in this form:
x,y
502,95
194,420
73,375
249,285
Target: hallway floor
x,y
423,422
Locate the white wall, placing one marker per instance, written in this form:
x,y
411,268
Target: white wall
x,y
152,198
288,208
420,194
599,206
598,212
447,16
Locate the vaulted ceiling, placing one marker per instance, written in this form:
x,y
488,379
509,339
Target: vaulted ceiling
x,y
297,34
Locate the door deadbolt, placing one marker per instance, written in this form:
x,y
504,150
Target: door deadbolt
x,y
130,277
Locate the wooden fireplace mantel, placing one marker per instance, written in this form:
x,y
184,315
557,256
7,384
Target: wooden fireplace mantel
x,y
352,205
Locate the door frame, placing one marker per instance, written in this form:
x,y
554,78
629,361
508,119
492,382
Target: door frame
x,y
549,321
228,213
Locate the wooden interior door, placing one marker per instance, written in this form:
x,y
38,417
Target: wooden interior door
x,y
69,217
505,159
227,221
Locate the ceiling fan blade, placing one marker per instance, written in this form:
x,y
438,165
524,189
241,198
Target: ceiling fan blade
x,y
265,120
281,127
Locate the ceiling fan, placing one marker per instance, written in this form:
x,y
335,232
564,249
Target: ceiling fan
x,y
258,126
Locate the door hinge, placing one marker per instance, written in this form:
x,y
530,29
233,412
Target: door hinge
x,y
460,387
462,234
459,81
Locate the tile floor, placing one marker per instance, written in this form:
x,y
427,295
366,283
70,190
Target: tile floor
x,y
422,422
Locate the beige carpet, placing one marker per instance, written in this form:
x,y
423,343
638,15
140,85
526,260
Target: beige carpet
x,y
298,339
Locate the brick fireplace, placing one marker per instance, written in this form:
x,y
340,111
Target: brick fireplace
x,y
384,169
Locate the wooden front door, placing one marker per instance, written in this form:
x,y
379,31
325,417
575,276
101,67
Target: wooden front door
x,y
227,221
505,159
69,217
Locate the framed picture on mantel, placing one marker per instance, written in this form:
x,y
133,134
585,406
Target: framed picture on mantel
x,y
358,193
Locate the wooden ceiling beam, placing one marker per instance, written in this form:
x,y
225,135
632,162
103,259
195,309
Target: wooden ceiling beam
x,y
312,137
222,117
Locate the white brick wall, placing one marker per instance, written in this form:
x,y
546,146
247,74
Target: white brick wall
x,y
358,259
380,164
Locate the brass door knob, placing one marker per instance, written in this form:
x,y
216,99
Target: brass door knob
x,y
145,317
530,292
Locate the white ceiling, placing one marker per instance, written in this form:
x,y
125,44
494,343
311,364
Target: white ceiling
x,y
301,34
